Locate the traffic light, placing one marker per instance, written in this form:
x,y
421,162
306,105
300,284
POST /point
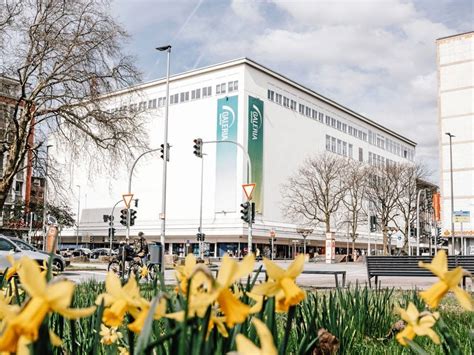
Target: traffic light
x,y
200,237
198,147
253,212
133,216
123,217
162,151
111,233
246,212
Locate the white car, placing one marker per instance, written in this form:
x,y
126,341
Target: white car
x,y
7,247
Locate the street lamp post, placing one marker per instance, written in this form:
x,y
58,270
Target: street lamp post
x,y
305,232
78,210
166,49
452,194
45,197
422,191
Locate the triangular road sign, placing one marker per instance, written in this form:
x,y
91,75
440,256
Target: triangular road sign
x,y
248,189
127,198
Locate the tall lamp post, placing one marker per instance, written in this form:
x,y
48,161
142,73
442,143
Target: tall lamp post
x,y
166,49
78,211
45,197
452,194
304,233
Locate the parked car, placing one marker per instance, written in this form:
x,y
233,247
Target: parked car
x,y
81,252
7,247
96,253
59,263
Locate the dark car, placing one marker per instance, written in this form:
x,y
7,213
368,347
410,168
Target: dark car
x,y
59,263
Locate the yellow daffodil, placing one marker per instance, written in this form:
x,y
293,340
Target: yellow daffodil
x,y
118,300
44,298
140,314
417,324
143,272
184,272
448,281
282,284
246,347
235,311
15,265
123,351
109,335
204,293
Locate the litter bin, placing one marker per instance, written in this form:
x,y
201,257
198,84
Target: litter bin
x,y
155,254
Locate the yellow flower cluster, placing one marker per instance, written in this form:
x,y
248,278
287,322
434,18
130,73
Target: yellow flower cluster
x,y
20,325
119,300
202,290
421,323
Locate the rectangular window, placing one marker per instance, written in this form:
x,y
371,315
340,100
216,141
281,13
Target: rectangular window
x,y
308,111
286,101
278,99
321,117
344,127
350,151
271,95
370,158
142,106
293,105
198,94
328,120
230,85
152,104
193,94
223,88
301,109
218,89
350,130
339,146
333,122
333,144
183,97
344,148
361,154
236,85
339,126
328,143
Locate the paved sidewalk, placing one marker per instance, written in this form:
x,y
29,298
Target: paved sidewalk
x,y
355,273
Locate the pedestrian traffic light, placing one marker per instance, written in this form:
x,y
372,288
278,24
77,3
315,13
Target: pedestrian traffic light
x,y
133,216
246,212
123,217
198,147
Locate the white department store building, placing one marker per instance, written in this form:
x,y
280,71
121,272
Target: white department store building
x,y
456,116
280,122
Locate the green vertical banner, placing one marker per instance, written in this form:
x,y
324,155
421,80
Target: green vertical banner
x,y
255,148
226,154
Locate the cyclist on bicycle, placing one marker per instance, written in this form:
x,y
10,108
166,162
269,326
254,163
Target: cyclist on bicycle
x,y
142,247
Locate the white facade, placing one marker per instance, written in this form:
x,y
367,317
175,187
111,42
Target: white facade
x,y
297,124
456,116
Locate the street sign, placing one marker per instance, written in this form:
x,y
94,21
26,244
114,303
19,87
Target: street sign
x,y
127,199
248,189
399,238
462,217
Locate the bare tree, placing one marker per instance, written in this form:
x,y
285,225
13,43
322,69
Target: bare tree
x,y
355,178
383,188
67,56
410,174
316,191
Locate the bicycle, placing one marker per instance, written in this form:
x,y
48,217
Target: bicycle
x,y
133,265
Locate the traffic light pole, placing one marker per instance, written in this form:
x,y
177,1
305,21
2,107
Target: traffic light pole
x,y
418,220
201,242
112,226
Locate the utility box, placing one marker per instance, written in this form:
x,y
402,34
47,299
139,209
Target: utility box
x,y
155,253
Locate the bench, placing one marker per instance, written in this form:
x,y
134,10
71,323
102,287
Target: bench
x,y
311,272
408,266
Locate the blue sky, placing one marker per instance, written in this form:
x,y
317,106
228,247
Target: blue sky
x,y
376,57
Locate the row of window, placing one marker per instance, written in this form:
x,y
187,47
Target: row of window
x,y
338,146
379,161
373,138
184,96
